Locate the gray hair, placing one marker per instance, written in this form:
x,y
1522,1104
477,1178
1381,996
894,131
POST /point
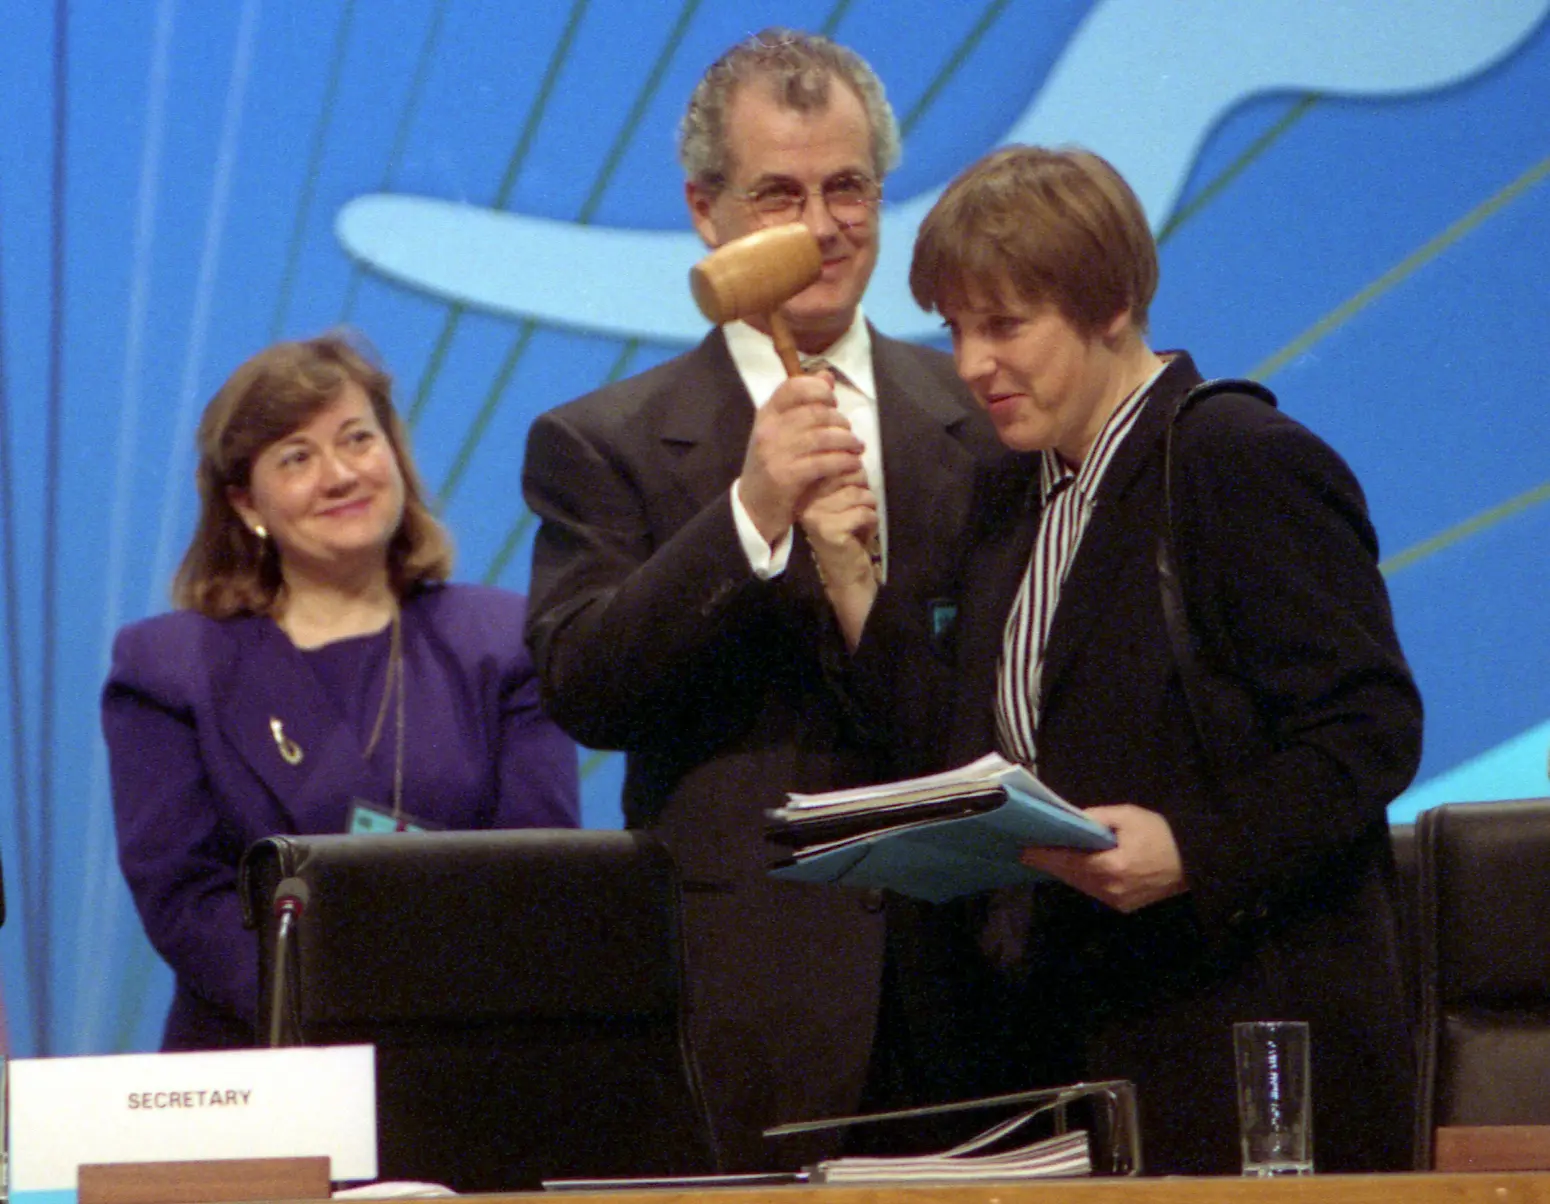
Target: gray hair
x,y
797,68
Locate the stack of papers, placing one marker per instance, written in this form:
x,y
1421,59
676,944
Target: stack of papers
x,y
934,837
1004,1151
679,1182
1063,1155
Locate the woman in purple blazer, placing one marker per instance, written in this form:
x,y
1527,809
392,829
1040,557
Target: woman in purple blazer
x,y
319,675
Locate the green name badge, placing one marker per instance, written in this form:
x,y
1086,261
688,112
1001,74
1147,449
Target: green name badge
x,y
369,820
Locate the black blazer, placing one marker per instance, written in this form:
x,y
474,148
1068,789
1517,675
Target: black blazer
x,y
651,635
1289,912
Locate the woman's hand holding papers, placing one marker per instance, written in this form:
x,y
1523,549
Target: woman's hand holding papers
x,y
1142,869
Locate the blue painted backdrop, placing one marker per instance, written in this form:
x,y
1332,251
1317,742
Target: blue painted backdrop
x,y
1350,199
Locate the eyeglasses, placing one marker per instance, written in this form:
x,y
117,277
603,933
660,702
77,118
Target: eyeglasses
x,y
849,198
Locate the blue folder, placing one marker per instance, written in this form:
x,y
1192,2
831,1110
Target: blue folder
x,y
940,859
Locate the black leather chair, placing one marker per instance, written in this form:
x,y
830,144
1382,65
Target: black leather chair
x,y
1407,909
1484,927
522,989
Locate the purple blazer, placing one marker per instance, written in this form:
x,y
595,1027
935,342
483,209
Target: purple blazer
x,y
198,774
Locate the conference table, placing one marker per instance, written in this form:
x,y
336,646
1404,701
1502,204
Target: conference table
x,y
1472,1188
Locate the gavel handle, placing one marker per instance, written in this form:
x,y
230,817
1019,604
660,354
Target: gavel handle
x,y
785,345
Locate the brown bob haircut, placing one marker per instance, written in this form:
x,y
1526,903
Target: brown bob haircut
x,y
227,570
1058,226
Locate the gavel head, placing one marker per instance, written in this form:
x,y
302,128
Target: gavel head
x,y
756,274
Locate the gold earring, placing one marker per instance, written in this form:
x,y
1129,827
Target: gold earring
x,y
261,531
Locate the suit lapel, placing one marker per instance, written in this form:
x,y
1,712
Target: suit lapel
x,y
268,682
1109,539
925,465
704,434
705,430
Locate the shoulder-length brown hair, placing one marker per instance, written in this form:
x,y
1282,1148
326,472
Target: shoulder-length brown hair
x,y
227,570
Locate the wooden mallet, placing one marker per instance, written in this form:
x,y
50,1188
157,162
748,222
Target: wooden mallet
x,y
753,276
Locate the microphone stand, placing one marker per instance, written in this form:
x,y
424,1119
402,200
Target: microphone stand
x,y
290,900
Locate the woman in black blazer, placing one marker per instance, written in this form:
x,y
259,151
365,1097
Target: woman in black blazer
x,y
1252,877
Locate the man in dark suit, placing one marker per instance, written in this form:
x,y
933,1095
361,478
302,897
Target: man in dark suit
x,y
1252,877
676,611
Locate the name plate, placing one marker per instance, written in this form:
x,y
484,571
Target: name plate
x,y
177,1107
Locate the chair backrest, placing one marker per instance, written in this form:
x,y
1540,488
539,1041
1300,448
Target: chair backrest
x,y
522,989
1484,924
1407,873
